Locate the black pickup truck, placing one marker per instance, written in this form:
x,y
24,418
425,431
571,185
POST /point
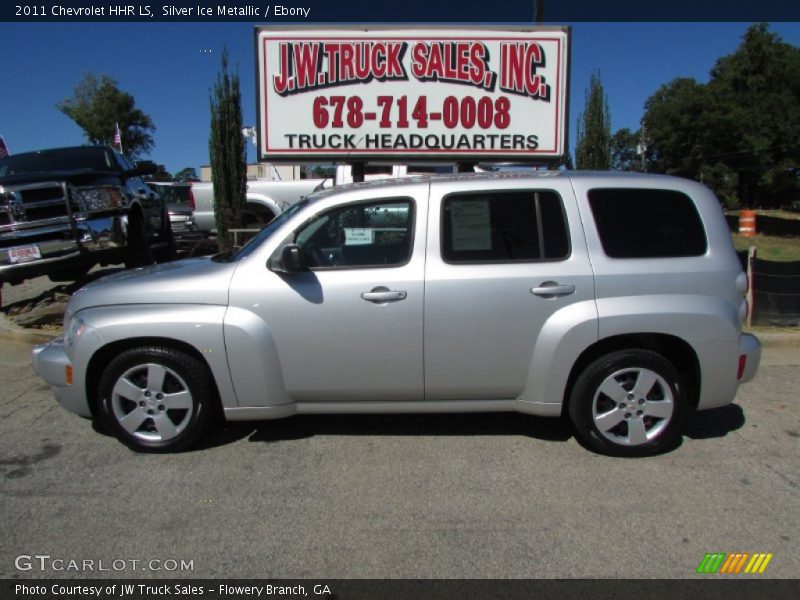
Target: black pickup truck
x,y
65,210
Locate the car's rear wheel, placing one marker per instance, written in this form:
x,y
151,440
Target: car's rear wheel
x,y
157,399
628,403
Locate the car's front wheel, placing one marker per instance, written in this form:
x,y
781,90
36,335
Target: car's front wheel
x,y
157,399
628,403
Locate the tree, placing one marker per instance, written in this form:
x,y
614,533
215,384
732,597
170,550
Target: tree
x,y
97,105
624,150
226,147
161,174
594,130
187,174
739,132
673,118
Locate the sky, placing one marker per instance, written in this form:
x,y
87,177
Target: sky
x,y
169,68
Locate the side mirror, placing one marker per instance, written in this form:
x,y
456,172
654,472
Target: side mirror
x,y
289,260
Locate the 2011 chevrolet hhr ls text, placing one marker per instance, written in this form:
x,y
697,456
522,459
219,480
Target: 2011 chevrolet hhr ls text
x,y
615,299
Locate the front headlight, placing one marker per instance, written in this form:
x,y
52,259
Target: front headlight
x,y
73,331
99,198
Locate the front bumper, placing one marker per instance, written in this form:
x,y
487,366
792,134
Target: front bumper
x,y
61,242
50,362
750,349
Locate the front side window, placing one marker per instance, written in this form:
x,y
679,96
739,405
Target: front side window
x,y
368,234
645,223
504,226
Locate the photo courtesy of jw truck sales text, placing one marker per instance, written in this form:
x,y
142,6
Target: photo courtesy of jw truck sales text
x,y
492,94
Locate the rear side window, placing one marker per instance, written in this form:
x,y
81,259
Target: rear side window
x,y
504,227
642,223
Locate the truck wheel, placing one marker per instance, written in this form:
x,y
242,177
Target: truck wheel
x,y
139,252
169,251
628,403
255,217
157,399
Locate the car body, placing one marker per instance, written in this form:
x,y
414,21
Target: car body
x,y
616,299
63,210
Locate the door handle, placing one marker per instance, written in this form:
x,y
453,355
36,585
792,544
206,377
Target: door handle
x,y
382,294
551,289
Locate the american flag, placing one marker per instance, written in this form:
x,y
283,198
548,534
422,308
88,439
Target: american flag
x,y
117,137
3,148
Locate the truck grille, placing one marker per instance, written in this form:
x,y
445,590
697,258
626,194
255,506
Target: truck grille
x,y
36,202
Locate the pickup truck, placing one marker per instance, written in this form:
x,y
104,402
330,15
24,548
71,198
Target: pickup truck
x,y
65,210
265,200
615,299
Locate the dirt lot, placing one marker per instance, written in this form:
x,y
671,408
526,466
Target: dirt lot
x,y
456,496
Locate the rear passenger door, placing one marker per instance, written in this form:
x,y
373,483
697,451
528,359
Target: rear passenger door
x,y
501,263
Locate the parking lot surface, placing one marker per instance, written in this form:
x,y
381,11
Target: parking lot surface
x,y
451,496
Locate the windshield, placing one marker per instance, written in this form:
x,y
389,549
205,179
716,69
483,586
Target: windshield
x,y
262,235
59,159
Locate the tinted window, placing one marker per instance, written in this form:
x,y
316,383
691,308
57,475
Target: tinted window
x,y
173,194
641,223
370,234
504,226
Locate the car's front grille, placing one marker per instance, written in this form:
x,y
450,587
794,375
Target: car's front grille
x,y
45,202
35,202
42,194
39,213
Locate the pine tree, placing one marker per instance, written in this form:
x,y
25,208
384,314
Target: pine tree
x,y
226,147
594,130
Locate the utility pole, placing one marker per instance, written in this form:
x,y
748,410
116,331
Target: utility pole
x,y
538,9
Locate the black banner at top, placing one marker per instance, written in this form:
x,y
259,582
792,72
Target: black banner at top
x,y
407,11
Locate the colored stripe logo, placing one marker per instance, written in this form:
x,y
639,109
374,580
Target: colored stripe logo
x,y
736,563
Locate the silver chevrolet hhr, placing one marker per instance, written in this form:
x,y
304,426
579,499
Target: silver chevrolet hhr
x,y
615,299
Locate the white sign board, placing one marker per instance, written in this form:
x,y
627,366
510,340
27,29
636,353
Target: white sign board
x,y
358,237
456,93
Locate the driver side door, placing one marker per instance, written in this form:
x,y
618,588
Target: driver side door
x,y
350,327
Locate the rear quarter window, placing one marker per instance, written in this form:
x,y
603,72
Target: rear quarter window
x,y
645,223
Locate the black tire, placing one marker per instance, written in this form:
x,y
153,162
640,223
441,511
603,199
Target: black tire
x,y
139,253
256,217
169,251
156,399
628,403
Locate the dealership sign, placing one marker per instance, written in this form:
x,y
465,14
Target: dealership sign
x,y
457,94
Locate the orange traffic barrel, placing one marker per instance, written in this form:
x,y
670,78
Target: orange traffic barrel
x,y
747,223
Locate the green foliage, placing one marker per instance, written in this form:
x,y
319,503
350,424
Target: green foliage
x,y
739,132
226,147
623,146
161,174
594,130
97,105
186,174
323,171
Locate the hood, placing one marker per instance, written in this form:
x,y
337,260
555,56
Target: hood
x,y
188,281
76,176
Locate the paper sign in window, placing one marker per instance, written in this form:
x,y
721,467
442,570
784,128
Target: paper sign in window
x,y
358,236
471,225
